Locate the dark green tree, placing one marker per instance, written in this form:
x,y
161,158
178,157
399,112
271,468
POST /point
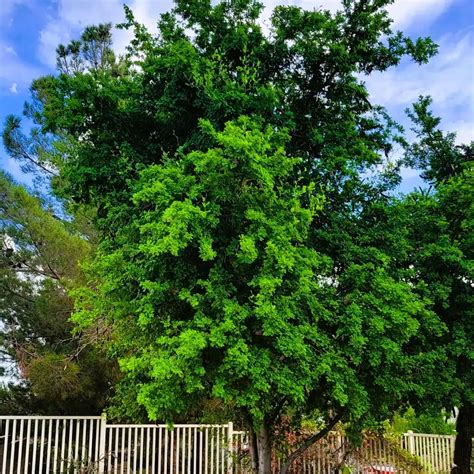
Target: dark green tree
x,y
59,373
441,226
43,240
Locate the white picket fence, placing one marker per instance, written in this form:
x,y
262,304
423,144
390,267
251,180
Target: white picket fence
x,y
202,449
436,450
63,445
86,445
48,444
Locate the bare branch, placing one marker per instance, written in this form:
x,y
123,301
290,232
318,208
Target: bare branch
x,y
310,441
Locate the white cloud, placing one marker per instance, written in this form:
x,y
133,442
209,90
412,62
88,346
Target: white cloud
x,y
146,12
464,129
408,173
13,70
72,16
82,13
51,36
406,13
8,50
331,5
12,167
448,78
13,88
6,10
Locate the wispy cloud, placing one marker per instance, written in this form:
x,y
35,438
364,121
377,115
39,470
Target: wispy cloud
x,y
406,13
464,129
14,71
448,78
7,8
50,37
146,12
13,88
69,19
72,16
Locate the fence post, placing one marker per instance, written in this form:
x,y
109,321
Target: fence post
x,y
339,450
411,442
102,435
230,443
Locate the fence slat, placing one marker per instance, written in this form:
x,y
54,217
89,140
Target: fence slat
x,y
177,458
447,454
20,447
108,450
41,465
12,457
170,453
97,443
129,450
122,453
56,445
4,462
27,457
50,446
166,452
153,450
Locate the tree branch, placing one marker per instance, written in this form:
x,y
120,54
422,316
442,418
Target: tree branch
x,y
28,157
276,411
16,293
310,441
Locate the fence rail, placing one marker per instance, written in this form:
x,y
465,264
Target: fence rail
x,y
86,445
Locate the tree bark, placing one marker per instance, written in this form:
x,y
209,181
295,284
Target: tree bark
x,y
253,451
463,443
261,450
264,444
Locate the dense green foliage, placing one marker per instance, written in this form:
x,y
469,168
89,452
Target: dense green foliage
x,y
441,230
38,265
410,421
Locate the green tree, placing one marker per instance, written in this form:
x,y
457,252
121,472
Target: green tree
x,y
46,238
59,373
214,287
441,229
241,257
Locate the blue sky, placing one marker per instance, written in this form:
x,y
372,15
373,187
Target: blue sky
x,y
31,29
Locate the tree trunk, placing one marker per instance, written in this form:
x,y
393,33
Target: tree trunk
x,y
253,451
463,443
261,450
